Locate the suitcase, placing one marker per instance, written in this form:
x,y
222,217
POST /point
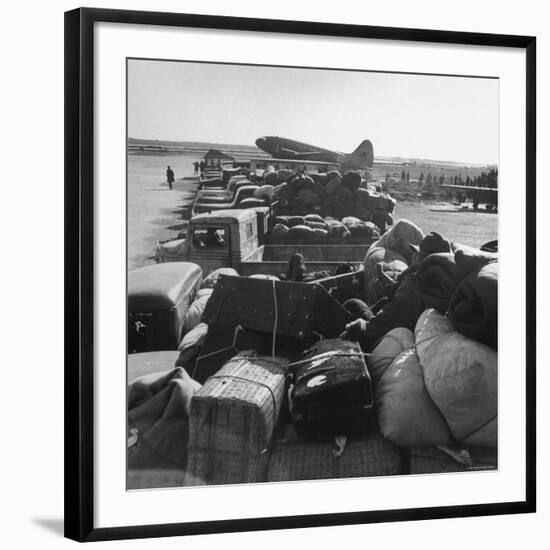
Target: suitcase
x,y
296,458
332,390
233,418
158,298
299,311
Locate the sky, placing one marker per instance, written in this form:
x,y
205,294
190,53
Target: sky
x,y
412,116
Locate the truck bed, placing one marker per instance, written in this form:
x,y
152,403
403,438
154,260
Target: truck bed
x,y
273,259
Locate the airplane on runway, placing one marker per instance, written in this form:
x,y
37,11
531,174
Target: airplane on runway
x,y
478,195
283,148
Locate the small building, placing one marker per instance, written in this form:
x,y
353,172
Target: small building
x,y
215,159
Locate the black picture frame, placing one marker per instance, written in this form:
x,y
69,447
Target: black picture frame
x,y
79,269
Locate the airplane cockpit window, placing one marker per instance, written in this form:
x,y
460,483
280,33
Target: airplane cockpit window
x,y
211,237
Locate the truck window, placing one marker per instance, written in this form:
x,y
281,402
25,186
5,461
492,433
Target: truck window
x,y
209,237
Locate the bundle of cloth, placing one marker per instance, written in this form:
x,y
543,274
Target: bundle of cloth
x,y
435,387
158,426
391,254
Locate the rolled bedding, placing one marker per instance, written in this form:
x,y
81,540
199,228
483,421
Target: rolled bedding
x,y
437,276
473,308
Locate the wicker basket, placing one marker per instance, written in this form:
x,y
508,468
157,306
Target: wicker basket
x,y
435,461
233,418
294,458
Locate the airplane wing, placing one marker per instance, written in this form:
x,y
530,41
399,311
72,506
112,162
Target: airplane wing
x,y
469,187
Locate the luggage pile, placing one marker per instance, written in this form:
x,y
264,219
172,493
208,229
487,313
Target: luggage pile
x,y
330,195
314,229
262,386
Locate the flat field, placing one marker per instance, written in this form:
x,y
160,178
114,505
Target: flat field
x,y
470,228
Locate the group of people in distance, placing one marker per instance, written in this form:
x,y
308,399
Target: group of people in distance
x,y
170,177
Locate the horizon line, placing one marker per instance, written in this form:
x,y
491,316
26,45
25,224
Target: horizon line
x,y
493,163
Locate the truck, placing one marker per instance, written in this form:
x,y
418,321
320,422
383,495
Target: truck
x,y
237,238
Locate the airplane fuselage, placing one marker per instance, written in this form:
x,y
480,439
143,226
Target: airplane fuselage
x,y
361,158
290,149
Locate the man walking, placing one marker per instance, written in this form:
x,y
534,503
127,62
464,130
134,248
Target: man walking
x,y
170,176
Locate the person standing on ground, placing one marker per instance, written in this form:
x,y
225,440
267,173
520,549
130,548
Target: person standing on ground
x,y
202,165
196,165
170,176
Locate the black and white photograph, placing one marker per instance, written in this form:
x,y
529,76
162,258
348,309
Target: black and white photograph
x,y
312,273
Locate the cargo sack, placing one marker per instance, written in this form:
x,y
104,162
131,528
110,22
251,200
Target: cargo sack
x,y
332,183
212,279
141,364
285,175
264,276
338,231
271,178
399,237
265,192
203,292
293,221
319,178
315,224
283,220
251,202
460,375
473,308
429,326
158,298
376,256
279,230
352,180
221,343
194,313
299,311
436,461
319,234
300,232
332,389
383,281
314,218
233,419
158,429
406,414
350,220
191,346
360,230
295,458
391,345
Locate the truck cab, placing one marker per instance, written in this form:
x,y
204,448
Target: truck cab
x,y
218,239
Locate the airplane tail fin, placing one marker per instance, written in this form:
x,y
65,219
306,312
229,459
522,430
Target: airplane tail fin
x,y
363,156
